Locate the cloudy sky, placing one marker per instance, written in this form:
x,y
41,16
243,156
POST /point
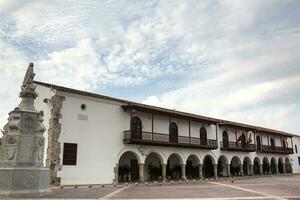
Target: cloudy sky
x,y
236,60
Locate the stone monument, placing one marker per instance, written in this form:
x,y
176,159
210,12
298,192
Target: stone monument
x,y
22,172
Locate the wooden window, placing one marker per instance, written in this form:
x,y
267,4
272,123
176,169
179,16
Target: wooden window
x,y
70,154
299,160
296,149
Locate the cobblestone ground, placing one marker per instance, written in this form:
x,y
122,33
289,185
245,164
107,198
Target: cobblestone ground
x,y
276,187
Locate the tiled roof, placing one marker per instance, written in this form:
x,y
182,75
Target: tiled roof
x,y
165,111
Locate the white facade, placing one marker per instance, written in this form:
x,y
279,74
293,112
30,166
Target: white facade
x,y
98,132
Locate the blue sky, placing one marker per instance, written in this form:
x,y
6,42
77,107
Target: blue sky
x,y
236,60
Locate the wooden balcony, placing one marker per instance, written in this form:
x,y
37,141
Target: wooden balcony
x,y
160,139
274,149
233,146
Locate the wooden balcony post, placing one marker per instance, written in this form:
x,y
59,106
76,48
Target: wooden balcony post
x,y
152,124
189,132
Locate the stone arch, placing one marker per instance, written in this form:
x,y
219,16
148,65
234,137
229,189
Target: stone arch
x,y
235,166
153,166
288,166
266,165
128,167
133,150
192,166
280,165
256,166
174,165
208,166
247,164
273,166
222,166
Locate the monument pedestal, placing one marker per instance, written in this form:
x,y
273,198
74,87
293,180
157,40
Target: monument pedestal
x,y
24,182
22,171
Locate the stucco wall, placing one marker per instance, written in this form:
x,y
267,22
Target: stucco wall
x,y
98,131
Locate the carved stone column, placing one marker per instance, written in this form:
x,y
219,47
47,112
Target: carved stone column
x,y
53,151
200,171
164,171
141,172
228,170
183,176
116,172
215,170
22,173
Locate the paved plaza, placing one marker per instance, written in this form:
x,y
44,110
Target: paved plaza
x,y
275,187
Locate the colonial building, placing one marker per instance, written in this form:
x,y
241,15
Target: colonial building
x,y
95,139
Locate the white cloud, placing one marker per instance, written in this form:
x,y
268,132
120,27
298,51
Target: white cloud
x,y
226,59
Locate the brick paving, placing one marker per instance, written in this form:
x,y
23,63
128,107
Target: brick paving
x,y
276,187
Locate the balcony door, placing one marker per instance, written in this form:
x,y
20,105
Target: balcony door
x,y
203,136
258,143
136,128
225,139
272,142
173,133
243,141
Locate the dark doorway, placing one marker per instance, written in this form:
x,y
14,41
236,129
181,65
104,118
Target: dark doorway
x,y
128,169
273,166
192,167
266,166
173,168
280,166
173,133
256,167
208,168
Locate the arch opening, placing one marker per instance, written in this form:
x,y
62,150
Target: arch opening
x,y
256,166
222,168
208,167
153,167
288,166
266,166
280,166
247,166
192,167
173,167
128,167
235,166
273,166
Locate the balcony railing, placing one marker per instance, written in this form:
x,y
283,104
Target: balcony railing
x,y
233,146
160,139
274,149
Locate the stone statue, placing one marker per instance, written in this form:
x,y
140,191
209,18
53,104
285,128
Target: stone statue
x,y
22,172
